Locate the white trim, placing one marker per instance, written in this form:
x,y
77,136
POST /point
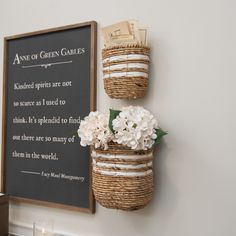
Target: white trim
x,y
126,65
126,74
126,157
109,165
121,173
126,57
18,228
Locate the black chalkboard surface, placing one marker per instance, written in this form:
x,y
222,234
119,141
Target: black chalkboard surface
x,y
49,85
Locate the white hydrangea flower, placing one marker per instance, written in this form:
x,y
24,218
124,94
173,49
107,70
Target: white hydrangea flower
x,y
135,127
94,130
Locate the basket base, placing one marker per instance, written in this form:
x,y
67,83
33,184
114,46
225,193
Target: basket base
x,y
131,87
124,193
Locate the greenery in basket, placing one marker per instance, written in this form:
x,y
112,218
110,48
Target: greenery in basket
x,y
132,126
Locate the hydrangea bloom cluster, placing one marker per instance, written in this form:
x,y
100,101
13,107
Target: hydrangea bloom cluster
x,y
135,127
94,130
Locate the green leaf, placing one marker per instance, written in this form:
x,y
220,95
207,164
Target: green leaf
x,y
160,133
73,133
113,115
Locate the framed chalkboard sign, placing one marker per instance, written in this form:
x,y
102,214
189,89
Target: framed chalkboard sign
x,y
49,86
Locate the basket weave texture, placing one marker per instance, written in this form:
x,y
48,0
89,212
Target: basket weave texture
x,y
125,71
122,178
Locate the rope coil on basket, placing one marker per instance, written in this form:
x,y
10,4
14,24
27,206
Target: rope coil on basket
x,y
122,178
128,77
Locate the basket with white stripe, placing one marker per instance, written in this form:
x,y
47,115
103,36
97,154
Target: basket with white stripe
x,y
122,178
125,71
122,151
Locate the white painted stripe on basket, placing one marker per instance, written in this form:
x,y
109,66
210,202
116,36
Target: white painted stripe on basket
x,y
127,66
125,74
126,157
109,165
126,57
121,173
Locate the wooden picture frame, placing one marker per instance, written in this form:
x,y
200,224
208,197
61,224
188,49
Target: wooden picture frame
x,y
48,57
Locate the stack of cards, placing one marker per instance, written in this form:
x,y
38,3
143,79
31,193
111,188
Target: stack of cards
x,y
123,33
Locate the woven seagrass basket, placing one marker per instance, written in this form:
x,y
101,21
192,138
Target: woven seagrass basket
x,y
122,178
125,71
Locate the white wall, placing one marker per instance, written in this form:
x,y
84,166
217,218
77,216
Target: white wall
x,y
192,91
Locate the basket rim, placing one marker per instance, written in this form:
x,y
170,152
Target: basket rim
x,y
126,46
112,147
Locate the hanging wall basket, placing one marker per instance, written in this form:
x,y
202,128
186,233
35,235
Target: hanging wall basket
x,y
125,71
122,178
